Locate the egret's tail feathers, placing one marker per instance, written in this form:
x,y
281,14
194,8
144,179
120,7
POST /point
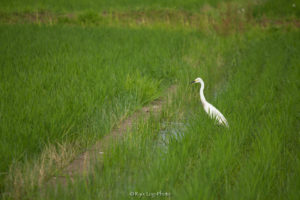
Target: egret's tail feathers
x,y
222,121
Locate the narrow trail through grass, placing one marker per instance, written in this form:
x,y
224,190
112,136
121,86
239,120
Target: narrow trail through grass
x,y
83,163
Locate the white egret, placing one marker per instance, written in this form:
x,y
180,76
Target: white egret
x,y
212,111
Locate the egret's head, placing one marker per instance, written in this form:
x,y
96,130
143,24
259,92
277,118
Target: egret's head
x,y
197,80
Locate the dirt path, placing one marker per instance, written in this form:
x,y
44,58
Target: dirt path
x,y
83,163
229,20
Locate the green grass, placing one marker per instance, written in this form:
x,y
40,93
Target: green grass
x,y
256,158
62,84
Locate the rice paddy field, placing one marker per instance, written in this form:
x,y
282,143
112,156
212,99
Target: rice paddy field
x,y
71,72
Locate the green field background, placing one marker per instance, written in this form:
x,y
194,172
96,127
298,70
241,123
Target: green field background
x,y
74,83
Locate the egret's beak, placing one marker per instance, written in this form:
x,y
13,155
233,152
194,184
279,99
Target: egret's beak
x,y
193,82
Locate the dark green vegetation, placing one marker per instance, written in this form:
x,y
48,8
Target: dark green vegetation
x,y
277,9
70,83
76,5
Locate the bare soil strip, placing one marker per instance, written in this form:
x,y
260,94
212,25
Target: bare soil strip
x,y
227,21
82,164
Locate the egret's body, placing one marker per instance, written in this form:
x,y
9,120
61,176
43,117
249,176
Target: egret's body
x,y
212,111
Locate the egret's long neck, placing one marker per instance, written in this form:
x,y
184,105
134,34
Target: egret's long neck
x,y
203,100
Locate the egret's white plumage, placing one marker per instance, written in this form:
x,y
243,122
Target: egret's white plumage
x,y
212,111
